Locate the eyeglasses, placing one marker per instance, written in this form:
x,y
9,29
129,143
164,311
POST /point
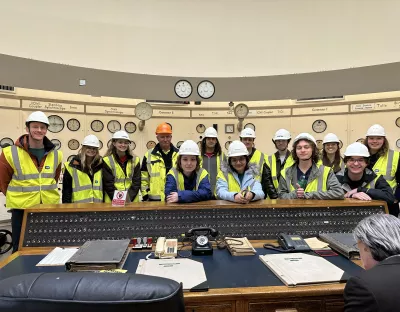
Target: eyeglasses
x,y
236,160
357,160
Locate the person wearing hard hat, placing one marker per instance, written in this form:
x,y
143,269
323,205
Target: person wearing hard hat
x,y
187,182
360,182
282,158
331,153
306,179
211,155
157,162
82,178
383,161
237,181
121,169
29,171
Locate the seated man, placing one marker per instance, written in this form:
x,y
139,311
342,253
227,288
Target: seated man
x,y
378,238
360,182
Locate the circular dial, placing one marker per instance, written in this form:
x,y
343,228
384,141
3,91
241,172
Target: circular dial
x,y
73,124
56,123
73,144
57,143
70,157
97,125
200,128
206,89
241,110
227,143
169,124
250,126
151,144
340,144
143,111
320,145
113,126
132,145
361,140
100,144
319,126
199,144
178,145
109,143
5,141
398,122
130,127
183,89
202,240
398,143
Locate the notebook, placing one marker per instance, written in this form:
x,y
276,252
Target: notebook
x,y
343,243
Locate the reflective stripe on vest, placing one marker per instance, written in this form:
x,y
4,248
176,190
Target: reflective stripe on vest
x,y
387,166
180,182
233,184
370,185
316,185
258,159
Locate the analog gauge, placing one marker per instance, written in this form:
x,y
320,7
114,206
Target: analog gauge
x,y
109,143
200,128
199,144
183,89
178,145
241,110
398,122
169,124
73,124
113,126
151,144
319,126
56,143
206,89
56,123
143,111
398,143
73,144
227,143
340,144
250,126
70,157
6,142
130,127
320,145
361,140
132,145
97,125
100,144
229,128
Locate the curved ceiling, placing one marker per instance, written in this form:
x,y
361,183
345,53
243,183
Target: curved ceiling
x,y
207,38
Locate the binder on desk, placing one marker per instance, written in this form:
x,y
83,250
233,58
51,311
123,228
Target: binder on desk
x,y
343,243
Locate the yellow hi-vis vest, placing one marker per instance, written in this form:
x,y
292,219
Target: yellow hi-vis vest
x,y
153,181
316,185
370,185
271,162
29,187
122,181
83,189
258,158
233,184
386,166
180,182
220,159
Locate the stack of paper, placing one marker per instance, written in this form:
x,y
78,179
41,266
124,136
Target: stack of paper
x,y
240,246
58,256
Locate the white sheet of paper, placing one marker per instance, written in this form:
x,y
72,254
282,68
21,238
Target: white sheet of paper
x,y
58,256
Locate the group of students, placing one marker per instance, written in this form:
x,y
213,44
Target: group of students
x,y
30,169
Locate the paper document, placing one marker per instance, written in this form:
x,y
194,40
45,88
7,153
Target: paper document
x,y
58,256
316,244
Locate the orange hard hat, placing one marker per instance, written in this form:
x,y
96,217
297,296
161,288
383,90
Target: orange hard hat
x,y
164,128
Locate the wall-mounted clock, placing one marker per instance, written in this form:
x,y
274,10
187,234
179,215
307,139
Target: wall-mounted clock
x,y
241,110
229,128
361,140
57,143
151,144
73,144
320,145
200,128
199,144
183,89
319,126
169,124
109,143
56,123
70,157
178,145
132,145
398,122
113,126
130,127
97,125
398,143
100,144
73,124
206,89
143,111
6,141
340,144
250,126
227,143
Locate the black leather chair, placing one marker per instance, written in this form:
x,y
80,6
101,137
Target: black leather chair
x,y
73,292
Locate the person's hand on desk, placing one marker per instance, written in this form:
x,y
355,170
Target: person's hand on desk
x,y
299,191
172,197
249,196
361,196
350,193
239,198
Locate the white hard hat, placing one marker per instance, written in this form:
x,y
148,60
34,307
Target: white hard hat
x,y
305,136
248,133
376,130
211,133
39,117
189,147
356,149
91,140
121,134
330,138
237,148
282,134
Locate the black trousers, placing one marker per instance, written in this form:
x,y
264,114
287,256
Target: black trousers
x,y
16,225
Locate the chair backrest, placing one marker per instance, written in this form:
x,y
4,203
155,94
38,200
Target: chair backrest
x,y
89,292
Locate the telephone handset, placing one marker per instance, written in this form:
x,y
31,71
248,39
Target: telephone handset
x,y
201,246
166,248
294,243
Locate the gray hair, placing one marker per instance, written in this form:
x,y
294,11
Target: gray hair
x,y
381,233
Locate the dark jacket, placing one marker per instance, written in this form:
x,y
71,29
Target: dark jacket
x,y
267,183
108,178
280,166
375,290
67,179
381,191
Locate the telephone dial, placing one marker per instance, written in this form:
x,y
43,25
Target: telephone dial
x,y
201,246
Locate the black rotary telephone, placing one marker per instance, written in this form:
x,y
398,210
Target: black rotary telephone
x,y
201,246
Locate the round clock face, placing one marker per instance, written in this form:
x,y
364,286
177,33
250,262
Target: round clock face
x,y
227,143
151,144
250,126
361,140
241,110
200,128
132,145
340,144
206,89
183,89
143,111
178,145
73,144
319,126
199,144
97,125
113,126
398,122
398,143
109,143
130,127
6,141
70,157
57,143
73,124
320,145
56,123
100,144
169,124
